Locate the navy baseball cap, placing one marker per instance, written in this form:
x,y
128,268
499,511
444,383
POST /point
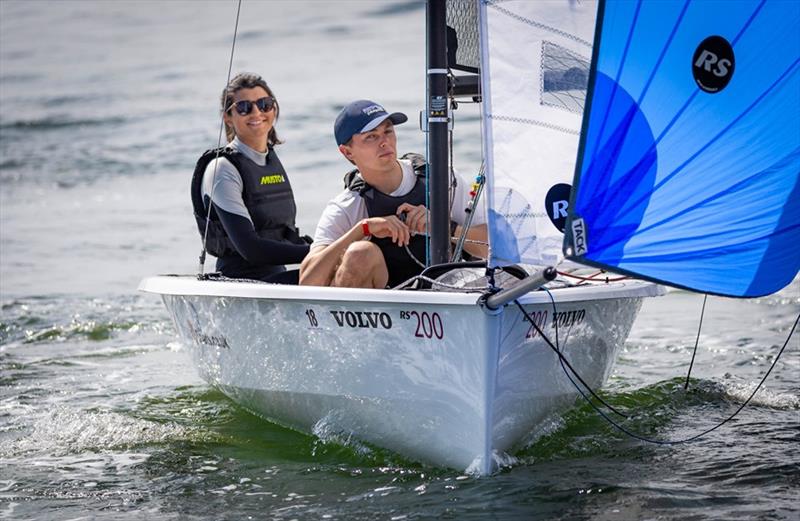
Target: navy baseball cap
x,y
362,116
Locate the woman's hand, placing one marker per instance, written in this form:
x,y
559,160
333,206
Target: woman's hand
x,y
417,217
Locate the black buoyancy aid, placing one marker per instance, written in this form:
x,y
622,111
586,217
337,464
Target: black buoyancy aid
x,y
267,195
400,265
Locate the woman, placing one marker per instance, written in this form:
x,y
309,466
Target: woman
x,y
252,226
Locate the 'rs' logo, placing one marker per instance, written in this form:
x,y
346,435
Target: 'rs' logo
x,y
711,63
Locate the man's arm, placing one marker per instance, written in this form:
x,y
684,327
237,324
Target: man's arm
x,y
475,233
319,266
417,220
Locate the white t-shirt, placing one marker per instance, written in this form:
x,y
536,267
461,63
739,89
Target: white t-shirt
x,y
347,208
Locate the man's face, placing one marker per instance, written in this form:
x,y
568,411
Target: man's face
x,y
375,150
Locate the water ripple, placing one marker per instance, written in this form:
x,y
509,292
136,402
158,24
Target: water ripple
x,y
58,124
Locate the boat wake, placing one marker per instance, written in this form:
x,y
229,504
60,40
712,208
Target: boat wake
x,y
739,392
652,411
67,431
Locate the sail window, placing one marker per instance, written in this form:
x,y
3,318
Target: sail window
x,y
564,78
462,17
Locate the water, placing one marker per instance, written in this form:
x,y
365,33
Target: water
x,y
104,107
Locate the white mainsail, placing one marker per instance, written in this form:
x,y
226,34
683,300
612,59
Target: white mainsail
x,y
535,59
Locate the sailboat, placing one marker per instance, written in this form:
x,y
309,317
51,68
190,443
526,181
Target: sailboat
x,y
459,371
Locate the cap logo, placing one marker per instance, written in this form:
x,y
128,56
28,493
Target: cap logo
x,y
372,109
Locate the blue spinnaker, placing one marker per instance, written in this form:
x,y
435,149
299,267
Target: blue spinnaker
x,y
688,170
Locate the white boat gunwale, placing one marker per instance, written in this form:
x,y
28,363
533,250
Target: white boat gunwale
x,y
189,285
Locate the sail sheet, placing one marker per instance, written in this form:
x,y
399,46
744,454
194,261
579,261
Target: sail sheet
x,y
535,59
689,167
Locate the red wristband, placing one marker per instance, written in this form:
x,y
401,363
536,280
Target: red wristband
x,y
365,228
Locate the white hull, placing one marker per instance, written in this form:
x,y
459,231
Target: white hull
x,y
430,375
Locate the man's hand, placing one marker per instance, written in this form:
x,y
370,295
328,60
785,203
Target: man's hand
x,y
417,217
389,226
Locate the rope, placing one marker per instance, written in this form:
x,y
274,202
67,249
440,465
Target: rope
x,y
219,145
620,427
563,360
696,341
414,258
434,282
420,263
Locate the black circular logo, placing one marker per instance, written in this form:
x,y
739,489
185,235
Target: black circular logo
x,y
713,64
556,204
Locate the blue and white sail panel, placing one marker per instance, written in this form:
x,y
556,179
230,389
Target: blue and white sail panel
x,y
689,169
535,60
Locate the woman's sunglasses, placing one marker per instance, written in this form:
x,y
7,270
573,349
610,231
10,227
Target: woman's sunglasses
x,y
244,106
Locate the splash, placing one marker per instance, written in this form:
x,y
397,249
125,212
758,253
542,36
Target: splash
x,y
500,460
329,432
739,392
69,431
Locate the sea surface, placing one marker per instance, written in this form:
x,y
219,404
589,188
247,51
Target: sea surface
x,y
104,108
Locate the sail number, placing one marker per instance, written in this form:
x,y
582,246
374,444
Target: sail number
x,y
429,325
312,318
561,319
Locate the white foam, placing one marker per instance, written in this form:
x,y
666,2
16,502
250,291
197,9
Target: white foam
x,y
327,429
500,460
70,431
764,397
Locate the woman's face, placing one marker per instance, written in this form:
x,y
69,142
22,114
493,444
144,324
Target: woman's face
x,y
252,128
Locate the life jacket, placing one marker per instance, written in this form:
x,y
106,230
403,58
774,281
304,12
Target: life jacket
x,y
267,195
400,265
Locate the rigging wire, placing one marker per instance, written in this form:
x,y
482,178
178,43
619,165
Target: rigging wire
x,y
451,116
201,269
620,427
472,207
460,238
592,278
563,359
696,341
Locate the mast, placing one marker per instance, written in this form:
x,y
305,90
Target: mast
x,y
438,146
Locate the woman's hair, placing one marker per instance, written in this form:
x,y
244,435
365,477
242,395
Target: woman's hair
x,y
248,80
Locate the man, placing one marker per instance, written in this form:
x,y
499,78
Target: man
x,y
372,235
